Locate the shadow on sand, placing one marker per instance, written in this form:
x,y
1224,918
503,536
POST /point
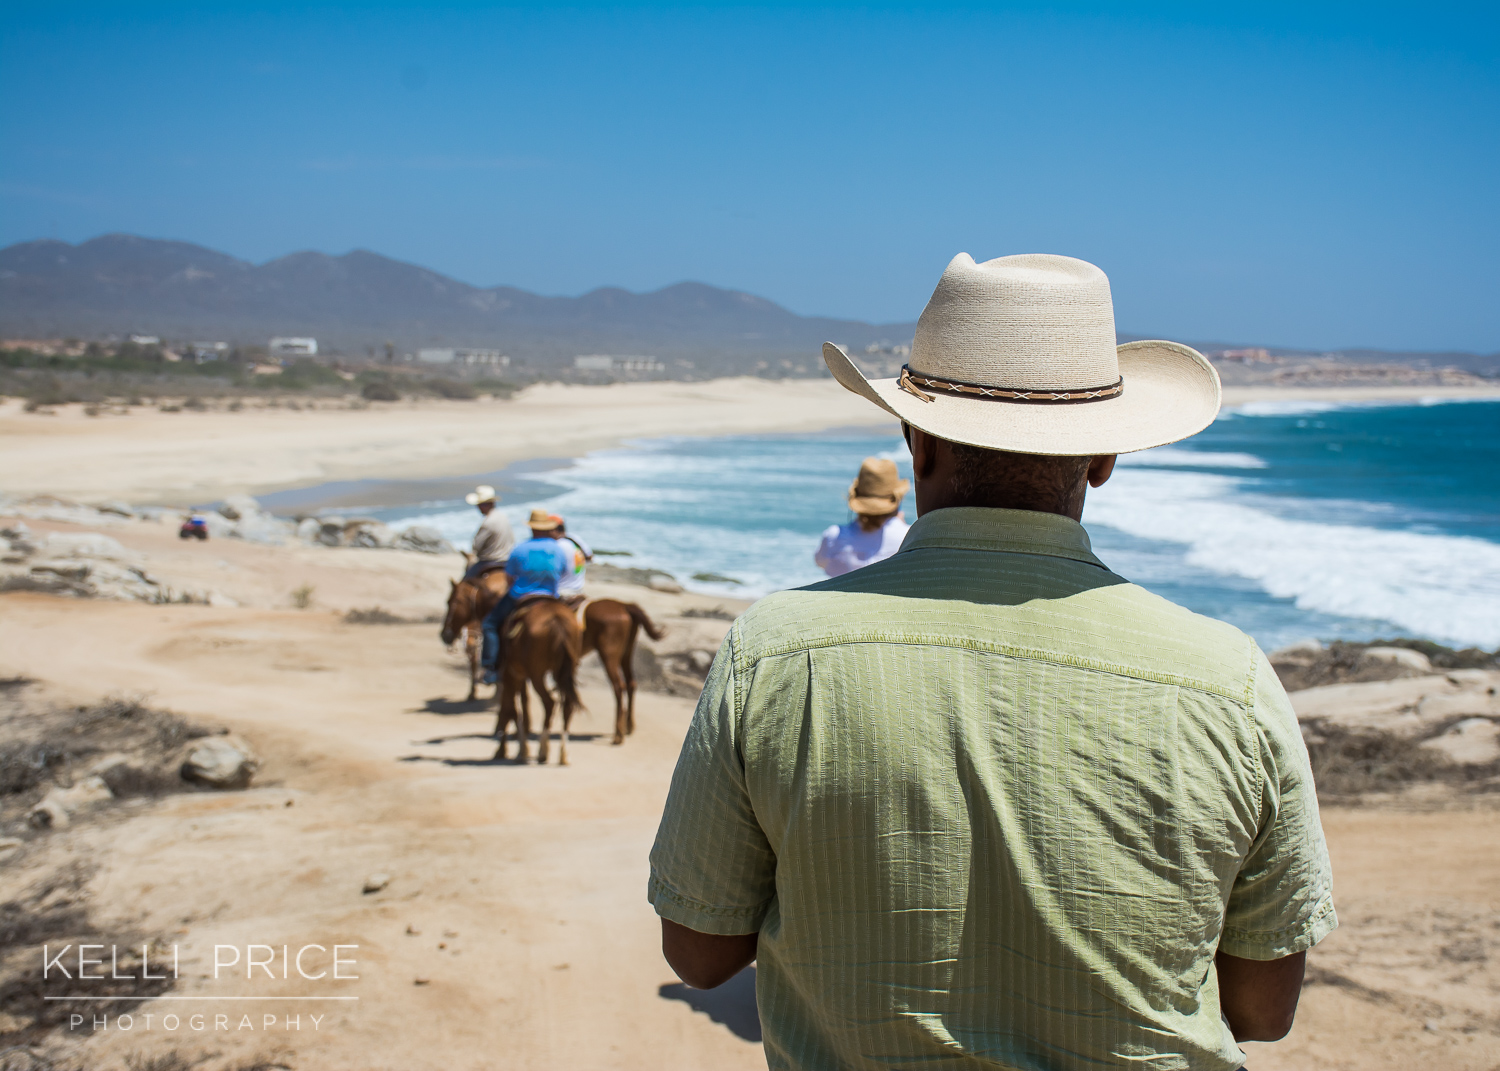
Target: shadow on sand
x,y
573,738
732,1004
440,705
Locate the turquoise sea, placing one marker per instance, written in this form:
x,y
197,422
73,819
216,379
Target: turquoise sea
x,y
1287,519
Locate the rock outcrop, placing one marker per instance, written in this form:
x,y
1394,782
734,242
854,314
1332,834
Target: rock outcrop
x,y
87,565
220,762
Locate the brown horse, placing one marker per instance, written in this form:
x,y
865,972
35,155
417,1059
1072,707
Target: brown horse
x,y
610,627
468,602
541,637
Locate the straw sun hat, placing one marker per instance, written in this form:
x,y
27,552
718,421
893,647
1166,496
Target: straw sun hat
x,y
877,490
1019,354
542,521
481,494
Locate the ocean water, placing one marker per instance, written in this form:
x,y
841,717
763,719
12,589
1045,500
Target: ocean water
x,y
1288,520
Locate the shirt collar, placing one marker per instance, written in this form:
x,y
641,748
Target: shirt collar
x,y
1013,531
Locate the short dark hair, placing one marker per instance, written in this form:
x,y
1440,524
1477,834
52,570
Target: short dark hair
x,y
1002,480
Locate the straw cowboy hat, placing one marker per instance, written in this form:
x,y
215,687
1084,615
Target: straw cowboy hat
x,y
481,494
1019,354
542,521
877,490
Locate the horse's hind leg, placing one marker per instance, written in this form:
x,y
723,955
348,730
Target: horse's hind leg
x,y
523,725
617,682
548,705
505,714
627,669
471,648
567,721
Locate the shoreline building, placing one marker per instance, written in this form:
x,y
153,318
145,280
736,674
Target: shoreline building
x,y
292,347
490,358
604,362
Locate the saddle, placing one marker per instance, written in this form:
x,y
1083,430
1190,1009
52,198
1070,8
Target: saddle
x,y
531,597
478,569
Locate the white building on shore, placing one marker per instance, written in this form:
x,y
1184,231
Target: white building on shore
x,y
293,347
604,362
492,358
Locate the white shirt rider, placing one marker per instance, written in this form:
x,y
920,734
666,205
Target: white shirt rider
x,y
847,547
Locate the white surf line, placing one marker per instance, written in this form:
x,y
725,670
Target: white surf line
x,y
198,998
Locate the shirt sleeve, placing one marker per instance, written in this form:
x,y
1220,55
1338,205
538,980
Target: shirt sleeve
x,y
1282,900
828,547
712,869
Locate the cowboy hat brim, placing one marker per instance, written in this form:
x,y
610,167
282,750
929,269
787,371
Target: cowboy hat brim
x,y
1171,392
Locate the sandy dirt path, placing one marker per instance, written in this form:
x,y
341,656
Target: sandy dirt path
x,y
534,948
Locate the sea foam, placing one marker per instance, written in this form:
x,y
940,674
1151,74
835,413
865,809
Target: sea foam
x,y
1440,586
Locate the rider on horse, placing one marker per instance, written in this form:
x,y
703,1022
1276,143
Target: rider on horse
x,y
536,567
494,541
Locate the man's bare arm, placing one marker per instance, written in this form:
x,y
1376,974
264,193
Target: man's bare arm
x,y
1259,997
706,960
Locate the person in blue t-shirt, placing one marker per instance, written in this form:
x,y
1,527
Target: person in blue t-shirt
x,y
535,567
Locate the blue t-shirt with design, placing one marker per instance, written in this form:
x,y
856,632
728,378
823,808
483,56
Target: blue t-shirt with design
x,y
538,565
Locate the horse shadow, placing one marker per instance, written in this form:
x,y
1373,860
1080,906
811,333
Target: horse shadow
x,y
441,705
732,1005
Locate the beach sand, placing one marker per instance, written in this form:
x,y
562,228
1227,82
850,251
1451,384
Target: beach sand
x,y
514,931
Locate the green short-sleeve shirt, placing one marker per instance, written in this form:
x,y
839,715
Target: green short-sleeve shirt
x,y
989,805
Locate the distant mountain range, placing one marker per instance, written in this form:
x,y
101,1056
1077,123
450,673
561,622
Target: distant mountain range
x,y
358,302
353,303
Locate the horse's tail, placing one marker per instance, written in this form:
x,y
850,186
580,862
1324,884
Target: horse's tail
x,y
570,652
641,620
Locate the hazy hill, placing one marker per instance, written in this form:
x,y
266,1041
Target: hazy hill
x,y
357,302
120,283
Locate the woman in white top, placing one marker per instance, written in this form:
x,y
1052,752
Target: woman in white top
x,y
878,526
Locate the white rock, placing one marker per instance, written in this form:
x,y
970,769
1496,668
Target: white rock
x,y
49,814
1472,742
1302,650
1471,678
219,526
239,507
263,528
375,882
83,545
423,538
118,508
370,534
1410,707
60,804
663,582
308,529
68,568
220,762
1396,656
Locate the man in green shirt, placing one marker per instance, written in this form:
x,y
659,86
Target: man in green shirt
x,y
986,804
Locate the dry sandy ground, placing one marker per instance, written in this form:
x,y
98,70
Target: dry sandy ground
x,y
525,885
149,456
181,458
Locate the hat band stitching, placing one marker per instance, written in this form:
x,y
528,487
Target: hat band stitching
x,y
1057,396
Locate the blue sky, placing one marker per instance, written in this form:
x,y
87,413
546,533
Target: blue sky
x,y
1324,175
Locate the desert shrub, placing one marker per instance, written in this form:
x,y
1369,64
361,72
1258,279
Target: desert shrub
x,y
451,388
373,615
380,390
1350,763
